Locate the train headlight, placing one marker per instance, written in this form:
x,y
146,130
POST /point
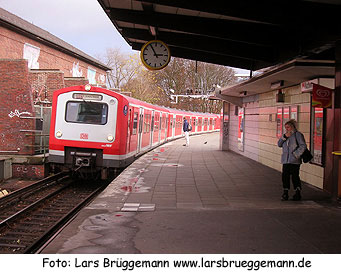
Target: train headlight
x,y
110,138
59,134
88,87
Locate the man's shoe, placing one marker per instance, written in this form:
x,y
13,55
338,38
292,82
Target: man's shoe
x,y
297,195
285,196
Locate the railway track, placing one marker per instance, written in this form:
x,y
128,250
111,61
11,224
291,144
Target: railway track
x,y
30,216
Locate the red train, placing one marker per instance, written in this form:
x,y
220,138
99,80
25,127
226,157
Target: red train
x,y
94,130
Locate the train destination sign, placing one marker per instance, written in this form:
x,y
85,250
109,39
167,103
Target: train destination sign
x,y
87,96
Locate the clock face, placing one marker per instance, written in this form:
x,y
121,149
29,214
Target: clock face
x,y
155,55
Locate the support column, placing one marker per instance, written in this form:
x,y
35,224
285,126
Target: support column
x,y
224,127
337,124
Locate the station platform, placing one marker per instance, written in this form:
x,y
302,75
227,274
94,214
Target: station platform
x,y
200,200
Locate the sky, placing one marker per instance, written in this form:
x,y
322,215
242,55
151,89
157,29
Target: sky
x,y
81,23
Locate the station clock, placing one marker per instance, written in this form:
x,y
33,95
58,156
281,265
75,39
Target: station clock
x,y
155,55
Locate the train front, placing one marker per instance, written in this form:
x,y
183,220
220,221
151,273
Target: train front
x,y
83,131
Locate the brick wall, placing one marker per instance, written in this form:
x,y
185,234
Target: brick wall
x,y
16,103
28,171
44,83
20,88
75,81
12,47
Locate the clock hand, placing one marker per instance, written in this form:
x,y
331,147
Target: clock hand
x,y
156,55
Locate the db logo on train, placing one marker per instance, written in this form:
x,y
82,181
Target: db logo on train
x,y
84,136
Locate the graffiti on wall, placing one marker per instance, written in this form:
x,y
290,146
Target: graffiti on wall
x,y
76,71
28,171
18,114
39,96
101,79
31,53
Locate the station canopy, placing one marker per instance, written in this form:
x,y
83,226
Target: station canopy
x,y
248,34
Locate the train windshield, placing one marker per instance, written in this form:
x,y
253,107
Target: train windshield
x,y
86,112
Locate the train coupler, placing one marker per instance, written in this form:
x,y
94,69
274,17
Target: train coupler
x,y
83,159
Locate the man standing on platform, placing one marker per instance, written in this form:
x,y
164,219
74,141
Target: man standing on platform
x,y
186,130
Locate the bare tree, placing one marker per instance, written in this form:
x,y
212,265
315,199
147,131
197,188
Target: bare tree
x,y
124,67
179,77
189,77
144,87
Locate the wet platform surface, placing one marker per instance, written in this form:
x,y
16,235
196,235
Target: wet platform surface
x,y
198,199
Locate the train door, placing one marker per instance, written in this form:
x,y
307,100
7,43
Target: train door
x,y
152,129
139,140
160,127
166,127
193,123
129,131
156,128
170,126
205,124
174,125
134,133
200,124
146,129
178,125
163,127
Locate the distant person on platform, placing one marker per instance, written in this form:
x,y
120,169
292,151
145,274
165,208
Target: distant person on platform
x,y
186,128
293,145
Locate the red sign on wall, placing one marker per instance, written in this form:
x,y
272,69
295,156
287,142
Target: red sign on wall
x,y
322,96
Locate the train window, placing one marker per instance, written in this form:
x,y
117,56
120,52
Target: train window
x,y
156,123
163,125
178,123
86,112
152,123
146,128
141,123
136,115
129,122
